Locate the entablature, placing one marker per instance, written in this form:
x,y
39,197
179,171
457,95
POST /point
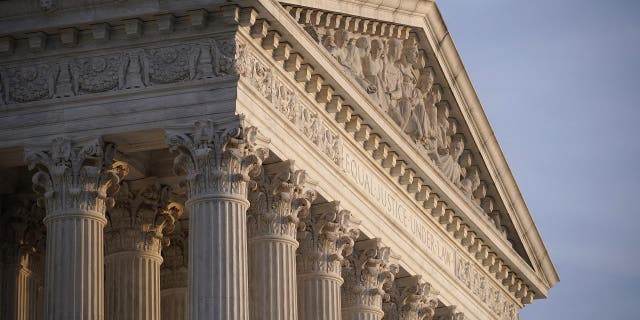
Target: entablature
x,y
325,80
52,65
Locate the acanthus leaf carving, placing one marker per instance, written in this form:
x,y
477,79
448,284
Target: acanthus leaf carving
x,y
278,201
175,257
368,273
217,156
77,176
448,313
327,235
22,232
141,217
411,298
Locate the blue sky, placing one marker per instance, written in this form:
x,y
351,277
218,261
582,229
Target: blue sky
x,y
559,81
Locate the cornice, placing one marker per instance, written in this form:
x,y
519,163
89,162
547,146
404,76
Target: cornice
x,y
288,33
466,291
426,15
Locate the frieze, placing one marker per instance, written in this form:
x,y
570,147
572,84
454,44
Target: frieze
x,y
289,103
390,65
444,253
128,69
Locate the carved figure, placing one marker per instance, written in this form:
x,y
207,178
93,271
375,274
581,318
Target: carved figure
x,y
393,80
471,182
65,83
448,163
372,65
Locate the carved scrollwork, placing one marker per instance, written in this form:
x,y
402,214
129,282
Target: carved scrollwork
x,y
289,103
326,235
217,156
448,313
129,69
479,285
368,273
175,257
278,201
411,298
22,233
78,176
142,215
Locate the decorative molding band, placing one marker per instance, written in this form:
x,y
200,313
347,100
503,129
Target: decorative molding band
x,y
288,102
129,69
387,62
323,93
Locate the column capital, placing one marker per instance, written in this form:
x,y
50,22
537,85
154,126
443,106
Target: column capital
x,y
327,235
279,199
75,177
142,215
367,273
22,233
448,313
218,157
411,298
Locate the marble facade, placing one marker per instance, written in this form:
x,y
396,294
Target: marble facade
x,y
252,160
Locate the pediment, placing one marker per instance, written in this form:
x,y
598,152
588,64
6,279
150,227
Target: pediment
x,y
389,62
419,84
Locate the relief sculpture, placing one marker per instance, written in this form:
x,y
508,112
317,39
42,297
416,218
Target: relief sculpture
x,y
393,72
129,69
289,103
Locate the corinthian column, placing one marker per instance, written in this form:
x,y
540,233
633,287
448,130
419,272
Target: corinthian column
x,y
448,313
22,245
411,298
134,238
174,274
218,158
368,272
76,180
327,235
272,222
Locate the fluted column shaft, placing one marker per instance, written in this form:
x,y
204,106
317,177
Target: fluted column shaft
x,y
175,305
319,297
272,223
272,279
218,158
76,180
174,275
133,286
218,280
328,235
20,293
134,238
370,269
21,258
74,272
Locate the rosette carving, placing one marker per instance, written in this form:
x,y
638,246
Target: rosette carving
x,y
368,273
142,215
411,298
278,201
75,176
217,157
327,235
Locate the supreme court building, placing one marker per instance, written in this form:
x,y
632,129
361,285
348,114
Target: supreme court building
x,y
252,159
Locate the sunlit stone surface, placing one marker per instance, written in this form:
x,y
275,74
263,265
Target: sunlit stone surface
x,y
252,160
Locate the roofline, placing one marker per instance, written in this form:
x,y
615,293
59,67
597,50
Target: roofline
x,y
426,14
